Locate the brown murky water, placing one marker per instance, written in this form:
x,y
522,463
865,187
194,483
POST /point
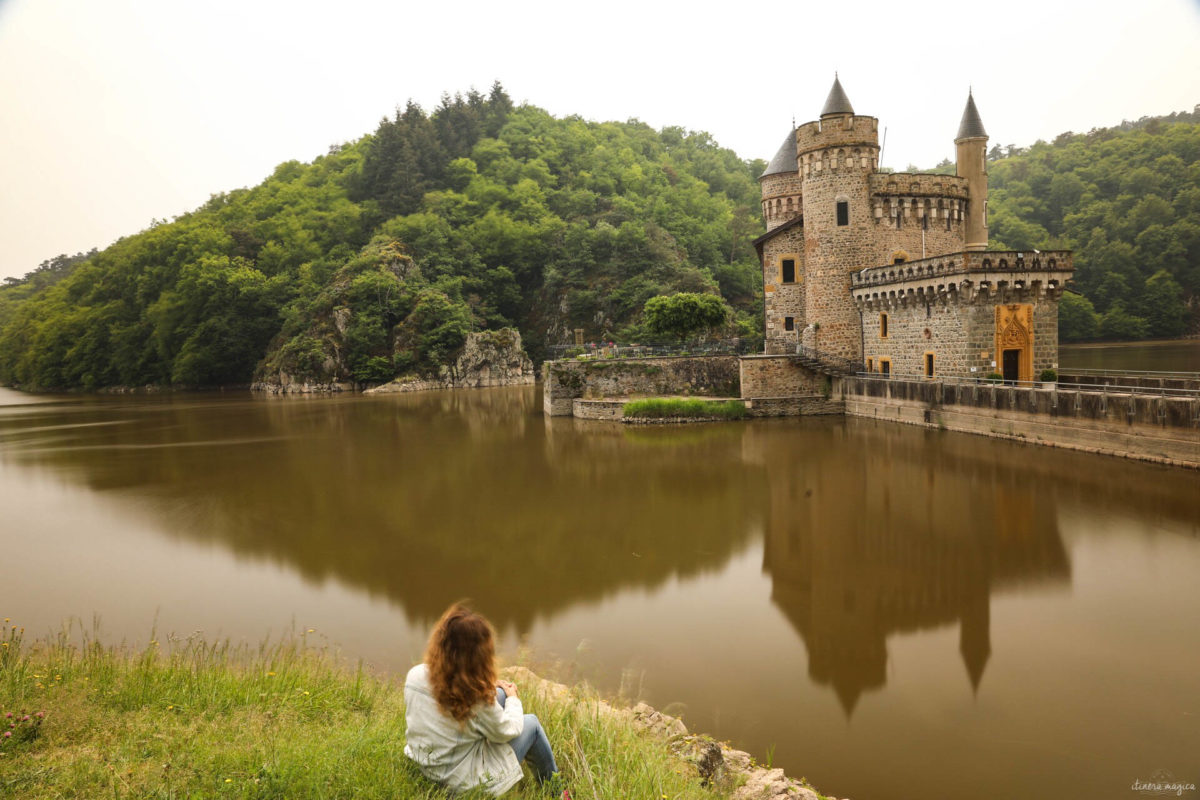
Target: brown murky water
x,y
889,611
1168,355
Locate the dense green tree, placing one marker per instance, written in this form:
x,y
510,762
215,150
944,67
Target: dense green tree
x,y
684,314
1163,306
1125,199
1077,319
1117,323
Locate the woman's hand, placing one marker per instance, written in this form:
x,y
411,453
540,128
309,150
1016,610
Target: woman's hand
x,y
509,687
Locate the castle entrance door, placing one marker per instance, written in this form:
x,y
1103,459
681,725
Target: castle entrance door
x,y
1014,340
1012,366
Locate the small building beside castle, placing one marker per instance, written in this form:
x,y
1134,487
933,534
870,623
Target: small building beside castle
x,y
890,271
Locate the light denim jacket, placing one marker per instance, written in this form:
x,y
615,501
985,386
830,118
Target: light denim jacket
x,y
462,756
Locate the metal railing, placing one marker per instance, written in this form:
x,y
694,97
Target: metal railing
x,y
712,347
1130,373
1111,389
845,366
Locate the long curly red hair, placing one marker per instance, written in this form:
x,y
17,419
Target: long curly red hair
x,y
461,659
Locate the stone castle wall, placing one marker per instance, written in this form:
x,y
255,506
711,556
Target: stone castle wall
x,y
831,253
778,376
962,337
594,379
836,157
783,300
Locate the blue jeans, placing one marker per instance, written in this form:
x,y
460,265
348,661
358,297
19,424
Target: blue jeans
x,y
531,744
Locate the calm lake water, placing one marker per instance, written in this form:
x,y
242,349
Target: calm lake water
x,y
1174,355
894,612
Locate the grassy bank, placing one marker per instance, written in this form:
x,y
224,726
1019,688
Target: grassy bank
x,y
185,718
679,408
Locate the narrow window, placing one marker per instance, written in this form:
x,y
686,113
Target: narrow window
x,y
870,365
789,323
789,270
929,365
885,366
925,222
898,260
883,326
843,212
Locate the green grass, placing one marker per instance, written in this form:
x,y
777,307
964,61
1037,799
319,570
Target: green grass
x,y
186,718
676,408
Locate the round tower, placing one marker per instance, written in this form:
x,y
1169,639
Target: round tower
x,y
836,156
971,154
780,184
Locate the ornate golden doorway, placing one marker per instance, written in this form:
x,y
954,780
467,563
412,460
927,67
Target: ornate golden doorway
x,y
1014,341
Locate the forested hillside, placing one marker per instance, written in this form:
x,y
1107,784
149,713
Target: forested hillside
x,y
383,254
391,249
1127,201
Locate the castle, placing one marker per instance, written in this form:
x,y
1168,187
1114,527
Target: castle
x,y
890,272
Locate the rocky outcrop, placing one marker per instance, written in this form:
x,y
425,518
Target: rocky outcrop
x,y
488,358
716,763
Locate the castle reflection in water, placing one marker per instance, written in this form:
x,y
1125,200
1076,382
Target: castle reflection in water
x,y
874,538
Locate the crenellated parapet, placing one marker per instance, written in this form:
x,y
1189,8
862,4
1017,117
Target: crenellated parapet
x,y
993,276
837,143
841,131
909,184
900,199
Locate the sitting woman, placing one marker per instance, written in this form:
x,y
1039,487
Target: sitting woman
x,y
465,728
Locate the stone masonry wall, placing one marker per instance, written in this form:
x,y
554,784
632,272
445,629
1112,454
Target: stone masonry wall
x,y
900,206
960,335
783,299
982,334
780,198
594,379
831,253
1145,427
778,376
836,157
913,330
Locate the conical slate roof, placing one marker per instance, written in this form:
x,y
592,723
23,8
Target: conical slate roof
x,y
785,159
971,125
837,102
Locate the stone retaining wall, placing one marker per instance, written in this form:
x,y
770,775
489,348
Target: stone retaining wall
x,y
1146,427
611,410
594,379
778,376
813,405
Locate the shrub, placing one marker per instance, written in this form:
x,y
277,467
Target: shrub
x,y
994,376
1048,376
692,408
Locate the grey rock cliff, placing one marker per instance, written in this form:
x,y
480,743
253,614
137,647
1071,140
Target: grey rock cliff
x,y
488,358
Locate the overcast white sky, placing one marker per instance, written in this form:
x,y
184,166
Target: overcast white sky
x,y
117,112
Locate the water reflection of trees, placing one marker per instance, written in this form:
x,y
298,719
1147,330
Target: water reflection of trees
x,y
421,498
888,532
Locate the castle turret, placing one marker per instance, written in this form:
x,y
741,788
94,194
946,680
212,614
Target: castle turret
x,y
971,151
780,184
836,155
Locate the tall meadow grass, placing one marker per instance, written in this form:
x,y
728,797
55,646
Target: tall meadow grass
x,y
191,718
